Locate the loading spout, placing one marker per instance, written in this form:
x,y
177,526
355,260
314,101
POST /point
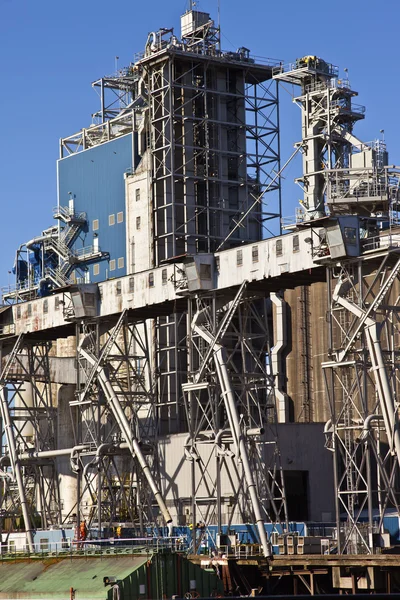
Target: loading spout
x,y
123,423
234,422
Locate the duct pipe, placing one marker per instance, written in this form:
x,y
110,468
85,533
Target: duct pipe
x,y
5,413
276,356
233,417
368,421
101,451
40,239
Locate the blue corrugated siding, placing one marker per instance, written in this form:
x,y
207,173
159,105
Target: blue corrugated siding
x,y
95,178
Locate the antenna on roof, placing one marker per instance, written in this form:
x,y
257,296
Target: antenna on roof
x,y
219,21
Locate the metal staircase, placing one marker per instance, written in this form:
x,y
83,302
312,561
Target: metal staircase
x,y
66,258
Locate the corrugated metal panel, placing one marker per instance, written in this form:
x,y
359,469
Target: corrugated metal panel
x,y
95,178
53,578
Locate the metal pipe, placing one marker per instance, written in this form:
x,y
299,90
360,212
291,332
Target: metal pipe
x,y
251,486
132,442
389,410
233,417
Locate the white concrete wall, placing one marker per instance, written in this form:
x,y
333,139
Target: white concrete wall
x,y
139,249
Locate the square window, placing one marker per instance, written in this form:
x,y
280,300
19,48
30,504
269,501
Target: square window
x,y
254,254
121,262
151,279
137,194
296,243
137,222
164,276
95,225
279,247
131,284
112,264
239,258
120,217
96,269
45,306
111,219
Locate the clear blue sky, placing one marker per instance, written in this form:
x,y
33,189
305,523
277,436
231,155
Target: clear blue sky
x,y
51,51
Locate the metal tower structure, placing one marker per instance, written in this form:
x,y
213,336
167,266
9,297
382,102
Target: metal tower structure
x,y
231,410
350,190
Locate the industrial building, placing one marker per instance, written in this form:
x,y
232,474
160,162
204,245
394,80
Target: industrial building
x,y
167,362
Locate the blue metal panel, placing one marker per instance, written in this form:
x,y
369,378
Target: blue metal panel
x,y
94,178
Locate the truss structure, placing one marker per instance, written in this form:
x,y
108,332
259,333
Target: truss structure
x,y
116,400
213,150
231,413
362,383
29,419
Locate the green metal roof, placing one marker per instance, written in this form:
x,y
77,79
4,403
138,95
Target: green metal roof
x,y
52,579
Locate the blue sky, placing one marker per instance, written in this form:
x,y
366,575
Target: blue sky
x,y
51,51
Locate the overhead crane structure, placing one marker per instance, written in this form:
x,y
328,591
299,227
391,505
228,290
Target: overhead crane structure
x,y
155,398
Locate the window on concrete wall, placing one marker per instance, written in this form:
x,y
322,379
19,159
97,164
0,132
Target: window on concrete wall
x,y
45,306
18,312
56,303
112,264
29,310
137,222
254,254
151,279
119,288
239,258
137,194
131,285
95,225
96,269
296,243
279,247
120,217
111,219
121,262
164,276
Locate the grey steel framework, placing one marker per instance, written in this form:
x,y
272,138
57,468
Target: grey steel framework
x,y
344,176
230,407
208,167
29,418
362,382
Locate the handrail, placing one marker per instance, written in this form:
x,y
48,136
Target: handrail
x,y
111,545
